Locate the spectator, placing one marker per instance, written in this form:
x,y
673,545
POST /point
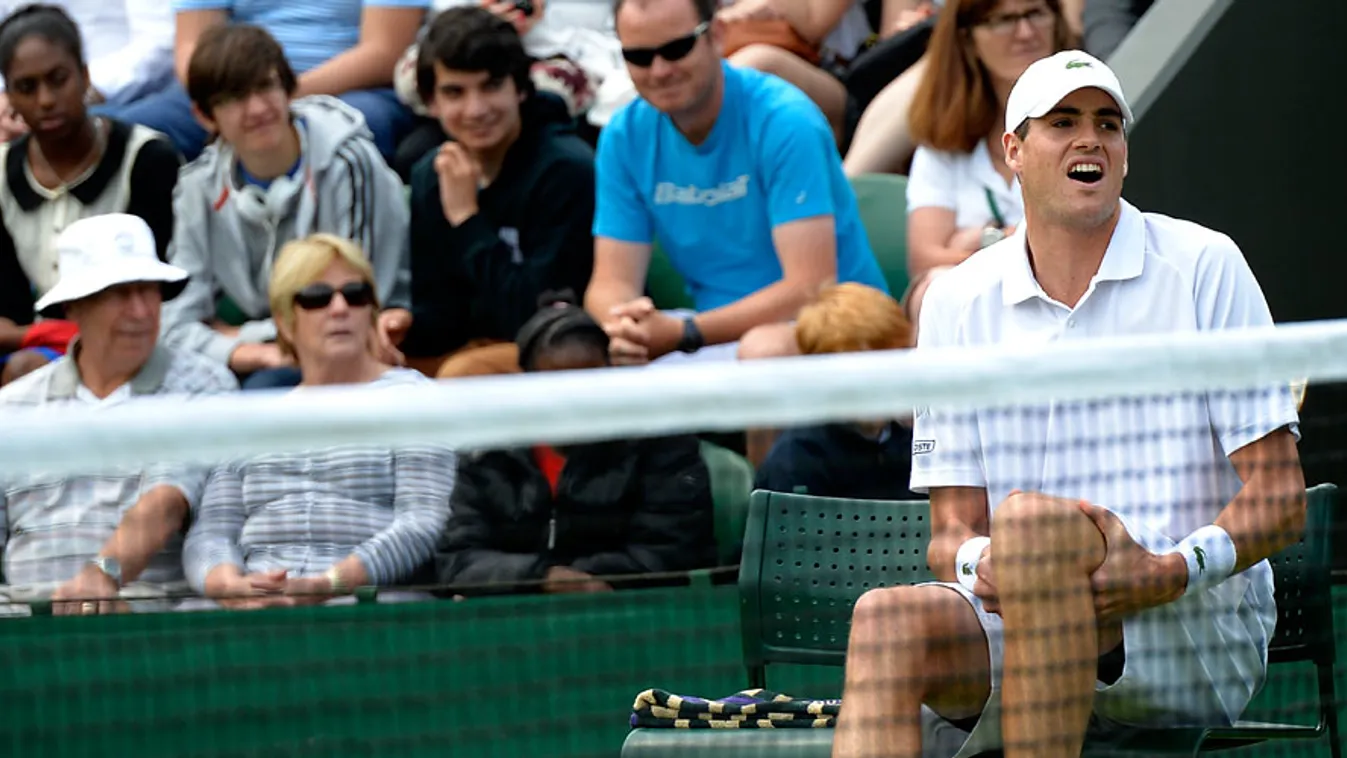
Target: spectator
x,y
343,48
961,195
736,173
97,541
805,43
1108,22
502,212
281,169
571,41
882,140
865,459
69,167
565,516
304,528
130,46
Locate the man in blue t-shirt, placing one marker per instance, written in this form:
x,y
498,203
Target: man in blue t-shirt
x,y
736,174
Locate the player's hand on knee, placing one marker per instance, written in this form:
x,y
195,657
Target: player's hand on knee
x,y
1131,578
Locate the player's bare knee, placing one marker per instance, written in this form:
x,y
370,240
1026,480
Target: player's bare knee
x,y
1045,529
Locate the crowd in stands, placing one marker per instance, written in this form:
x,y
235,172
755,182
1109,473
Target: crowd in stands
x,y
234,194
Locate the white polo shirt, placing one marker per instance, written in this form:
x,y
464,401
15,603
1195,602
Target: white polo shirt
x,y
966,183
1161,463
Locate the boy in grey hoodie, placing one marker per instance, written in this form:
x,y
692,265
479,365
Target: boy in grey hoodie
x,y
279,170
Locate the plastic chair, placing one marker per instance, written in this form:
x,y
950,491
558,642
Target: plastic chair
x,y
731,486
807,559
665,286
882,199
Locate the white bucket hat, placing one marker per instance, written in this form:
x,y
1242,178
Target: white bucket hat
x,y
1047,81
99,252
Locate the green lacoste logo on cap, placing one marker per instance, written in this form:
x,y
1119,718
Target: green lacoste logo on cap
x,y
1079,64
967,569
1201,556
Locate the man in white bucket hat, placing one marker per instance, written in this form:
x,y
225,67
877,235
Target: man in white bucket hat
x,y
1101,563
89,540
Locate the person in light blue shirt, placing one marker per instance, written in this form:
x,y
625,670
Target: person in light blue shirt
x,y
736,174
344,48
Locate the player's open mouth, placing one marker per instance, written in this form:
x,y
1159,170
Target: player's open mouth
x,y
1086,173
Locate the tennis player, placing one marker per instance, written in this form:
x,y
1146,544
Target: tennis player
x,y
1103,559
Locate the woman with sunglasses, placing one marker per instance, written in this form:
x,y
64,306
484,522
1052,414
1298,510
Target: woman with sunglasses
x,y
301,529
961,195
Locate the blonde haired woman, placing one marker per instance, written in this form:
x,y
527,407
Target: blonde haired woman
x,y
299,529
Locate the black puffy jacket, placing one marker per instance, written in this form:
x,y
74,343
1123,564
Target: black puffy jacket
x,y
630,507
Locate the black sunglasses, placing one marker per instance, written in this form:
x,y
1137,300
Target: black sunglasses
x,y
670,51
319,295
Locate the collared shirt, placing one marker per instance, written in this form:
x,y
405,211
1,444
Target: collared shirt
x,y
966,183
1160,462
55,523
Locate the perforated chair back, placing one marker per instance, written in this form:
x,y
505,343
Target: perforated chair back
x,y
807,559
1304,595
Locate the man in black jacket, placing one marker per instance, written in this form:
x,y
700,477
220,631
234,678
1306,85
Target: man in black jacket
x,y
558,519
499,213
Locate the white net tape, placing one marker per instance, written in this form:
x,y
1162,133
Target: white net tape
x,y
695,397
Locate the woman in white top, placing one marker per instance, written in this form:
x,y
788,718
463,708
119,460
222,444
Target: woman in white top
x,y
961,195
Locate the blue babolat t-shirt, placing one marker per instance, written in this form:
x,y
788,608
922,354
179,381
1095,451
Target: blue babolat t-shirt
x,y
770,159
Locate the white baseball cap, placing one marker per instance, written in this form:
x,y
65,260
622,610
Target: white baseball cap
x,y
99,252
1047,81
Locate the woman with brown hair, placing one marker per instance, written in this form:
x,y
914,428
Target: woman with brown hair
x,y
961,195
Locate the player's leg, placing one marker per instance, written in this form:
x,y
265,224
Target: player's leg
x,y
909,646
1044,550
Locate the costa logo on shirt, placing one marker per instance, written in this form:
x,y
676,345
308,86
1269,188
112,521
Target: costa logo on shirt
x,y
668,193
921,447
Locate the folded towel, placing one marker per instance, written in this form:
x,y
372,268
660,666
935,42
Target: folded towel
x,y
750,709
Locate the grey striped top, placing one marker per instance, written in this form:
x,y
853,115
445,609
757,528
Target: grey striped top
x,y
305,512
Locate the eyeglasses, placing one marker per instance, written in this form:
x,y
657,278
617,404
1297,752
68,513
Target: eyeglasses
x,y
673,50
1006,24
319,295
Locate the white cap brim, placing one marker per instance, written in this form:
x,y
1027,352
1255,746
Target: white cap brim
x,y
91,281
1047,82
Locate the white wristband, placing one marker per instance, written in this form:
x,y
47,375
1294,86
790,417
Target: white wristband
x,y
966,561
1210,554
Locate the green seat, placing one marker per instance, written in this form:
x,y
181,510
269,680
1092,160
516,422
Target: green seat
x,y
664,284
731,485
882,199
820,554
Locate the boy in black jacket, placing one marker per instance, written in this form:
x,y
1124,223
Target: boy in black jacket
x,y
560,519
502,211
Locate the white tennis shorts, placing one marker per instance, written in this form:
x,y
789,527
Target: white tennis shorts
x,y
1195,662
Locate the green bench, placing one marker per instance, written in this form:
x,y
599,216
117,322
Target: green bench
x,y
807,559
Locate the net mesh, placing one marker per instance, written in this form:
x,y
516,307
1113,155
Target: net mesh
x,y
768,593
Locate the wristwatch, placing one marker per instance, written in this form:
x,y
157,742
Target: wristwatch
x,y
692,340
109,566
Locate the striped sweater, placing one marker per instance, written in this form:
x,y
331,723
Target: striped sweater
x,y
305,512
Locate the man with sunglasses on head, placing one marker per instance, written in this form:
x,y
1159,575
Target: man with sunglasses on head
x,y
736,174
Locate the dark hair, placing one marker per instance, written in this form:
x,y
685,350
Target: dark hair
x,y
234,61
706,9
955,106
469,38
559,323
50,22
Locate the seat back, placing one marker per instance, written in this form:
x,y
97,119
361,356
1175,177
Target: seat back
x,y
1304,590
806,561
665,286
731,485
882,200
